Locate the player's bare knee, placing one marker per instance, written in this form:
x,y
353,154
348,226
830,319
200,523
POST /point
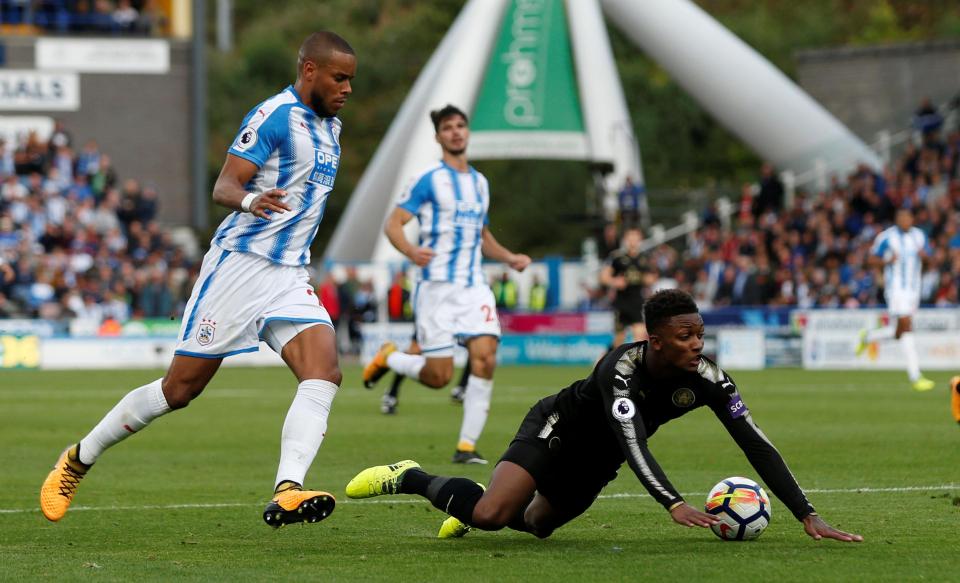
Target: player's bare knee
x,y
435,379
178,393
491,516
483,365
331,374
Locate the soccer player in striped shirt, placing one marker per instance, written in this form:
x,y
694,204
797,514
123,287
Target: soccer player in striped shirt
x,y
900,249
253,284
453,303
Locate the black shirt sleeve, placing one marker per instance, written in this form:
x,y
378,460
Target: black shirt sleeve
x,y
625,420
763,456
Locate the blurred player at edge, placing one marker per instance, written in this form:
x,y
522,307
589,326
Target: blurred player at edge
x,y
253,285
627,273
571,444
391,398
453,302
900,250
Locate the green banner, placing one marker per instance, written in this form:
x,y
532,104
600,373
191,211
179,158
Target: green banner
x,y
528,99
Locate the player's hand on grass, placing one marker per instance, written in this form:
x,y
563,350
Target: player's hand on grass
x,y
519,261
421,255
817,528
689,516
269,202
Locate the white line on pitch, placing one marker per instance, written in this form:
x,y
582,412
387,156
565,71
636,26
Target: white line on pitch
x,y
627,495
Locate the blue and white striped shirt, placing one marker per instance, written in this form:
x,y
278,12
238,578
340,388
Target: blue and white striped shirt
x,y
903,275
452,209
295,150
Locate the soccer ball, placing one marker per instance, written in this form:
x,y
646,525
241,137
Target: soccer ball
x,y
742,507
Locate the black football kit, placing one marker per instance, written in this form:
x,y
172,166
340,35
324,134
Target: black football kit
x,y
573,442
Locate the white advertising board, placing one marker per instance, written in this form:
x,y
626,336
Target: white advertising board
x,y
741,348
26,90
836,349
148,56
100,353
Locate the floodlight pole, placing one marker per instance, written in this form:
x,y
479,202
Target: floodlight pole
x,y
198,102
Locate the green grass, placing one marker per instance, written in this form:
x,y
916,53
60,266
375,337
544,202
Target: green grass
x,y
838,431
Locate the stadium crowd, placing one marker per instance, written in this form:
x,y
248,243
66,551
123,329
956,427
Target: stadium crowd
x,y
98,17
814,253
81,242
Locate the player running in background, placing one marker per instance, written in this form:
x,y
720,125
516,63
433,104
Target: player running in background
x,y
627,273
571,444
955,398
253,285
391,399
900,249
453,301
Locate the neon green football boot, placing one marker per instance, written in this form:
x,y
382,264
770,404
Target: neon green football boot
x,y
379,480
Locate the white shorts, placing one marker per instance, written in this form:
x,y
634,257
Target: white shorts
x,y
448,313
240,299
902,304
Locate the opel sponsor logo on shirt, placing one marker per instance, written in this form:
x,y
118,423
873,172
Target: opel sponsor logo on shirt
x,y
624,409
325,166
468,213
683,397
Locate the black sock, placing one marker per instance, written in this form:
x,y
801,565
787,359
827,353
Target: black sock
x,y
395,387
465,375
454,496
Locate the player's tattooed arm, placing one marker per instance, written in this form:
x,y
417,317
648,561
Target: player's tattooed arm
x,y
393,229
230,191
494,250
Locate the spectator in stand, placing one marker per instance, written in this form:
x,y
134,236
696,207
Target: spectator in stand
x,y
770,196
329,298
399,308
505,292
125,16
926,119
632,201
538,295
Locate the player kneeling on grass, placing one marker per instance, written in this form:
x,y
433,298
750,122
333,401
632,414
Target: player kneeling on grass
x,y
571,444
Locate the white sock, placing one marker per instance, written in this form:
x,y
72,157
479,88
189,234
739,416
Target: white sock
x,y
134,412
910,351
878,334
304,428
476,405
406,364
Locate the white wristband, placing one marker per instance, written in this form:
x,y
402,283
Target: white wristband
x,y
247,201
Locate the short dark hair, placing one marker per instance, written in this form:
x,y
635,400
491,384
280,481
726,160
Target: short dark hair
x,y
319,45
666,304
438,115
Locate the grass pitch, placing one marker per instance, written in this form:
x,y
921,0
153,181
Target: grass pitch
x,y
182,500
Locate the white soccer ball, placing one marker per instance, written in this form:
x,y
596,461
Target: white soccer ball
x,y
742,507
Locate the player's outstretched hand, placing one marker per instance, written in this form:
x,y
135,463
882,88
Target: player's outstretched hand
x,y
519,261
689,516
269,202
817,528
421,255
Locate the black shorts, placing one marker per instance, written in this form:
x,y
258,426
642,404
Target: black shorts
x,y
567,471
628,315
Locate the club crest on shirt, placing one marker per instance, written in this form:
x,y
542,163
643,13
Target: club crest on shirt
x,y
683,397
206,331
624,409
246,139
